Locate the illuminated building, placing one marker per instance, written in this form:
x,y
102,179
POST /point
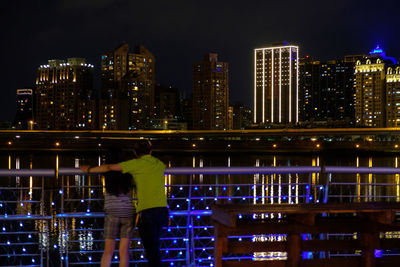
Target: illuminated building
x,y
127,89
371,89
63,95
393,96
24,115
326,91
309,92
276,82
210,94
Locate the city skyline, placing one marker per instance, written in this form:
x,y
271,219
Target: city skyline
x,y
178,33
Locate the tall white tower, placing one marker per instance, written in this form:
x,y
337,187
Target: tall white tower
x,y
276,85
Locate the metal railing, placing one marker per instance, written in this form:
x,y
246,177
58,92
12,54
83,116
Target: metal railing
x,y
54,216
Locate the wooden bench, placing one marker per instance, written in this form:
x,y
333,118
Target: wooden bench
x,y
365,220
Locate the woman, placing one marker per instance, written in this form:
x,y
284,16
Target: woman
x,y
118,209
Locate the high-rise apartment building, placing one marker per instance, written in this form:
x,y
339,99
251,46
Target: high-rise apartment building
x,y
210,94
371,90
63,95
326,91
127,89
24,115
276,85
393,96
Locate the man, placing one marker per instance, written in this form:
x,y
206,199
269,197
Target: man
x,y
148,176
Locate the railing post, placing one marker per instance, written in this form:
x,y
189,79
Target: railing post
x,y
308,188
328,177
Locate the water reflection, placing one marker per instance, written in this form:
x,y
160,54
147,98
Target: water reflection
x,y
397,180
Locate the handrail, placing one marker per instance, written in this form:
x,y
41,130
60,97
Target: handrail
x,y
217,170
374,170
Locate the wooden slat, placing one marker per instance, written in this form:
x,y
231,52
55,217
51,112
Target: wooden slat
x,y
332,262
308,208
388,261
339,226
330,245
254,263
390,243
244,247
307,219
384,217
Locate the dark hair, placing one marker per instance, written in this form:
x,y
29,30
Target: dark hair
x,y
142,147
115,181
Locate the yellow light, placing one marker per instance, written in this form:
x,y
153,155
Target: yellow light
x,y
274,145
193,145
57,144
317,145
357,145
396,146
9,142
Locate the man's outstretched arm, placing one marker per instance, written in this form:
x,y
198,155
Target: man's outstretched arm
x,y
101,168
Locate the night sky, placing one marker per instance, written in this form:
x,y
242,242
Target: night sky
x,y
179,32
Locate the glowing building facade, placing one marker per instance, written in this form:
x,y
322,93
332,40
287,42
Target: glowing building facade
x,y
63,95
127,89
276,85
393,96
374,103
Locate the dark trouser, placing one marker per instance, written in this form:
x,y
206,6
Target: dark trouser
x,y
150,224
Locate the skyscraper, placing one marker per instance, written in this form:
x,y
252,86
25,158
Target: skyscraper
x,y
210,94
393,96
63,94
371,89
276,85
127,88
326,91
24,115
